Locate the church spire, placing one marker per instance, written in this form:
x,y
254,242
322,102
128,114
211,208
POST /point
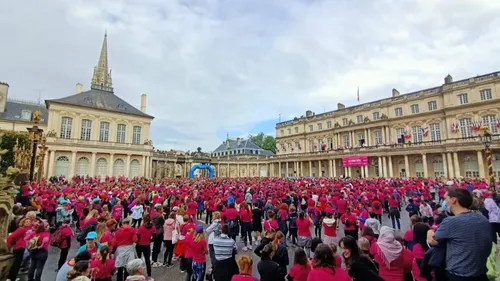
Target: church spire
x,y
102,78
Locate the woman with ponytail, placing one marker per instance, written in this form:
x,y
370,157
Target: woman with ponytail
x,y
199,250
79,272
103,267
280,253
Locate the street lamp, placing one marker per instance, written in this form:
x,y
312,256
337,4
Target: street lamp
x,y
486,139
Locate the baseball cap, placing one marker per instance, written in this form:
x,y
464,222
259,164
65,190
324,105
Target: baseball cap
x,y
91,235
199,229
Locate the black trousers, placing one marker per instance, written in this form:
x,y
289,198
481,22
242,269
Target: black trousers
x,y
16,266
157,240
169,252
38,259
122,274
62,257
208,217
146,250
495,229
293,234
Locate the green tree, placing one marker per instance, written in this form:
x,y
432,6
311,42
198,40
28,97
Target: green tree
x,y
264,141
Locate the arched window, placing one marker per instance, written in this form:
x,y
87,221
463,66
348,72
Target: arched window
x,y
134,168
496,165
118,168
82,166
438,168
402,169
101,168
62,166
471,167
419,168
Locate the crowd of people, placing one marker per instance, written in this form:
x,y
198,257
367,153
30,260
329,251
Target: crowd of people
x,y
125,228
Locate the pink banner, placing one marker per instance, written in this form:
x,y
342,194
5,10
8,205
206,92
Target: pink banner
x,y
355,161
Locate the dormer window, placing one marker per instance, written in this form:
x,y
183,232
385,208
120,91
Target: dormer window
x,y
26,115
88,101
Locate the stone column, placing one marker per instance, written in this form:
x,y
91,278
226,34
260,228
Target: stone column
x,y
367,171
310,169
143,166
319,169
72,165
45,164
286,169
384,164
480,161
330,168
301,168
368,137
248,170
445,164
349,172
456,164
110,164
52,155
380,172
424,161
334,162
451,171
127,166
407,166
92,164
391,170
362,171
388,133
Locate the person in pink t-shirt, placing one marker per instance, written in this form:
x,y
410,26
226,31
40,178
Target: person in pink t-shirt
x,y
245,265
301,267
324,266
39,254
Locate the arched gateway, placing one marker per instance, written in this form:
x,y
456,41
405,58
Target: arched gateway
x,y
201,166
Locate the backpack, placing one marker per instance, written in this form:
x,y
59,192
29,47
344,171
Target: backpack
x,y
88,228
32,243
56,239
293,220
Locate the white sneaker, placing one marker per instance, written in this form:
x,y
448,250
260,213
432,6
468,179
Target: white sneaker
x,y
244,249
250,247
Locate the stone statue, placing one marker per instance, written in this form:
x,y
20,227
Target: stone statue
x,y
178,170
51,134
6,204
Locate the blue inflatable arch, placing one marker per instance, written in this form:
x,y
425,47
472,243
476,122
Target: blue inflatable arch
x,y
201,166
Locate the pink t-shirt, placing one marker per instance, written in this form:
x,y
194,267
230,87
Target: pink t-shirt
x,y
299,272
199,251
323,274
303,227
100,270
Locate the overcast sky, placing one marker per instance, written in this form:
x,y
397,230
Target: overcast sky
x,y
211,67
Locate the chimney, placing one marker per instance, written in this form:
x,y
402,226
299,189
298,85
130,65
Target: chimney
x,y
4,90
340,106
227,144
238,141
79,88
448,79
395,92
143,103
309,113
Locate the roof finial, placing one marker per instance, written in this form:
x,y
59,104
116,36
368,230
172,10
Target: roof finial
x,y
102,76
227,136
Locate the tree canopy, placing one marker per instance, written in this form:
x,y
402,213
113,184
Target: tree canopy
x,y
264,141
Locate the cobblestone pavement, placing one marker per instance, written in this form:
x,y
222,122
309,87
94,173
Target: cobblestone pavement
x,y
171,274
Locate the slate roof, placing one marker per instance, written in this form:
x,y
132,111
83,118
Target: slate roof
x,y
244,146
14,109
100,99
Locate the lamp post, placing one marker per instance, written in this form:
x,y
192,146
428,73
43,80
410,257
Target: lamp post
x,y
41,159
486,139
35,135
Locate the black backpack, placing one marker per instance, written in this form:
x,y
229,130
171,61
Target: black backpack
x,y
88,228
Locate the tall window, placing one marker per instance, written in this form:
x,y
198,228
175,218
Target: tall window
x,y
438,168
359,118
311,128
471,167
344,122
417,134
289,131
330,143
136,137
491,122
400,132
361,136
432,105
398,111
414,108
66,123
435,130
86,129
104,131
311,145
419,168
378,137
296,130
466,127
120,133
346,142
485,94
26,115
329,124
376,116
463,99
282,132
320,126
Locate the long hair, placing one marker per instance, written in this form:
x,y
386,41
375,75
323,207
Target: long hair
x,y
245,207
323,257
420,235
79,268
198,237
100,229
277,241
92,214
245,264
104,253
300,257
348,242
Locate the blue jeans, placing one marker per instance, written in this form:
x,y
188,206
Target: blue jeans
x,y
198,271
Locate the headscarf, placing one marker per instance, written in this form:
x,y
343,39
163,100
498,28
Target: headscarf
x,y
389,248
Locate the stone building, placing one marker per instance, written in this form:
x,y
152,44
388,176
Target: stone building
x,y
427,133
92,132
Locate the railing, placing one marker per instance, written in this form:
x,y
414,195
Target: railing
x,y
357,149
97,143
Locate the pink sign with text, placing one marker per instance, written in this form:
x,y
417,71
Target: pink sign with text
x,y
355,161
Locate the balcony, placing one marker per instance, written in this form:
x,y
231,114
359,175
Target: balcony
x,y
386,148
97,144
